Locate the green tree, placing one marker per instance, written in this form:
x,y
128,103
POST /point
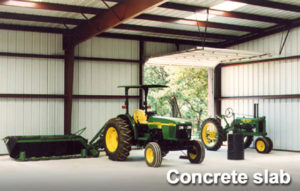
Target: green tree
x,y
188,85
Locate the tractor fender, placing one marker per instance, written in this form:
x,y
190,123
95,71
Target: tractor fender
x,y
130,121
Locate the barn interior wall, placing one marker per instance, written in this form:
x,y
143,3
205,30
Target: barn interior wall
x,y
29,75
268,78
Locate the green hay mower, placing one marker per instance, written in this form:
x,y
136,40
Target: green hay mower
x,y
213,134
157,134
30,148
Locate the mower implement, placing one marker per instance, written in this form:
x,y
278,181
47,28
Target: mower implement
x,y
24,148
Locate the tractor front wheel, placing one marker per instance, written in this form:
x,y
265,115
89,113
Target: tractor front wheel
x,y
262,145
196,152
153,154
118,138
212,134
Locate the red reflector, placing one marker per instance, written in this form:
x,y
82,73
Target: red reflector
x,y
124,107
148,107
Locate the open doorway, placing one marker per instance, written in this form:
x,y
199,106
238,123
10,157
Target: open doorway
x,y
190,77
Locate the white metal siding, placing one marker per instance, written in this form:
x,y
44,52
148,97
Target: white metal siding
x,y
30,76
158,48
103,78
269,78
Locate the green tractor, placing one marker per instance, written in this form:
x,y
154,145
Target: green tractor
x,y
157,134
213,134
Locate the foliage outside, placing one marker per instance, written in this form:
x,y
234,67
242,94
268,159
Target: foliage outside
x,y
188,85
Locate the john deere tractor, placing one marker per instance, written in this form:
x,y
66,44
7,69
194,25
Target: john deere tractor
x,y
157,134
213,134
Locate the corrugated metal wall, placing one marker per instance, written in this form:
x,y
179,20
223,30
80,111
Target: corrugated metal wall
x,y
269,78
23,116
30,76
103,78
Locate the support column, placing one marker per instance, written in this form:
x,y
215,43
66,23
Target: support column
x,y
217,92
141,71
69,75
211,92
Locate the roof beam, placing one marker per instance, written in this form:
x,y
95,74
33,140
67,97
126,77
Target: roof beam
x,y
108,35
158,39
50,6
116,15
174,32
269,31
177,20
271,4
61,20
31,28
26,17
233,14
90,10
39,18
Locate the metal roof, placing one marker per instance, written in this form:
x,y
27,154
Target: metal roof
x,y
167,21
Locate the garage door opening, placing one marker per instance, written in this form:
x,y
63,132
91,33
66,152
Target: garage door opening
x,y
190,77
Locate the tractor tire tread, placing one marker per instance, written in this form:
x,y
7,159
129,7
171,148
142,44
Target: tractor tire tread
x,y
222,134
124,140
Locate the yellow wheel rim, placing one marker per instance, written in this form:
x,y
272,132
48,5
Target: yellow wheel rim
x,y
260,145
111,139
210,134
192,155
149,155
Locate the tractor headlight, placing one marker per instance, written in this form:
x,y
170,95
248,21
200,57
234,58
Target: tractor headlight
x,y
182,127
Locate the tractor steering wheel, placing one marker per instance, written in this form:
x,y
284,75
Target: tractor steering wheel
x,y
229,112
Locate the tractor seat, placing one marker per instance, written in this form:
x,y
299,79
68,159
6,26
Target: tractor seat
x,y
139,116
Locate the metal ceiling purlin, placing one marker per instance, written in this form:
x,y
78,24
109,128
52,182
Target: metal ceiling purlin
x,y
271,4
268,31
52,6
38,18
233,14
90,10
174,32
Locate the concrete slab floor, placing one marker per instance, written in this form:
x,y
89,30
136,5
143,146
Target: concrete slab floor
x,y
134,175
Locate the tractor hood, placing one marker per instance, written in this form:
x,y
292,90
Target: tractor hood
x,y
177,121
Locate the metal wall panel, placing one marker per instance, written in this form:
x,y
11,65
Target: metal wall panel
x,y
269,78
103,78
93,114
30,76
158,49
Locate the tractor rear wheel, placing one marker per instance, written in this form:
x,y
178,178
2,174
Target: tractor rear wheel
x,y
153,154
262,145
270,143
117,139
212,134
196,152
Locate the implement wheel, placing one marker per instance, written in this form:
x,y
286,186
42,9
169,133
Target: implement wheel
x,y
118,138
212,134
262,145
153,154
196,152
